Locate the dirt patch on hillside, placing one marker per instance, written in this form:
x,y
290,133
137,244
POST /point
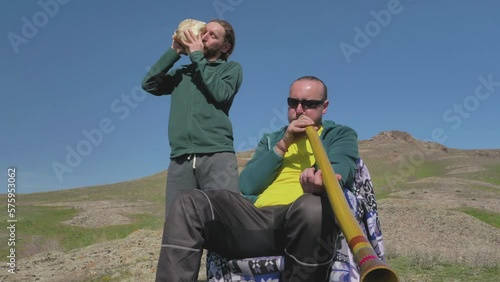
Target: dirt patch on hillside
x,y
450,182
433,233
459,169
103,213
131,259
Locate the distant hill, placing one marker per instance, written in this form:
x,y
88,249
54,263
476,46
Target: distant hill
x,y
439,207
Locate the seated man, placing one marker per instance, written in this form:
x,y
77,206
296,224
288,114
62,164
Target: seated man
x,y
291,216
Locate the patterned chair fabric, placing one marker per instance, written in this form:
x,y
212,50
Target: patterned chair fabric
x,y
344,268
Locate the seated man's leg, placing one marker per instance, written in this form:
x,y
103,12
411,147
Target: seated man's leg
x,y
220,221
311,234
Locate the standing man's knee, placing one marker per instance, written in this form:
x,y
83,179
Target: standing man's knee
x,y
223,173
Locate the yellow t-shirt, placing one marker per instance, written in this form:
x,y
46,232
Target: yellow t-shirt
x,y
286,187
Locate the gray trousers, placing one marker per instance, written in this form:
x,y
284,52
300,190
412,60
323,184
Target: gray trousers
x,y
224,222
201,171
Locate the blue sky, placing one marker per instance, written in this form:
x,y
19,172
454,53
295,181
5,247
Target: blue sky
x,y
71,74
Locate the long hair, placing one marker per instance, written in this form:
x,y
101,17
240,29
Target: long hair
x,y
229,37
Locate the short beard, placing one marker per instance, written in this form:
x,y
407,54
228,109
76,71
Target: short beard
x,y
210,53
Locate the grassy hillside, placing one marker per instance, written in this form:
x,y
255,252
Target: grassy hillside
x,y
43,217
429,196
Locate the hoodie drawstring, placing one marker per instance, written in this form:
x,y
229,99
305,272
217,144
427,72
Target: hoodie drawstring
x,y
194,160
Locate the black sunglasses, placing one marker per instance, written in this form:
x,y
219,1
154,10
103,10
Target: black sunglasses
x,y
306,104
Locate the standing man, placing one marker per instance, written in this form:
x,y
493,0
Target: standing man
x,y
199,130
289,215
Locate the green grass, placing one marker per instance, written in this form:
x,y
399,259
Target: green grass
x,y
488,189
428,269
151,188
490,218
38,226
492,180
381,191
428,169
491,174
394,178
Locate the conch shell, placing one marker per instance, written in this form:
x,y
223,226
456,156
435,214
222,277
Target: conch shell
x,y
194,25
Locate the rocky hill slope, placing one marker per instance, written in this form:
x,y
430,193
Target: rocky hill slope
x,y
423,189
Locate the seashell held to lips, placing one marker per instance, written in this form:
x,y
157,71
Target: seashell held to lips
x,y
194,25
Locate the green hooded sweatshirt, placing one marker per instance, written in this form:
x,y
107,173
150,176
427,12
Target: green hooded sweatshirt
x,y
341,146
202,94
